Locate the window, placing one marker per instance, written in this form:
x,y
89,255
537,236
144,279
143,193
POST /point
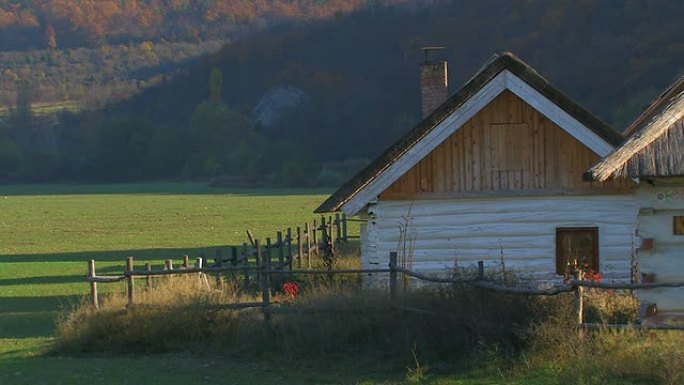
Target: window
x,y
577,245
678,225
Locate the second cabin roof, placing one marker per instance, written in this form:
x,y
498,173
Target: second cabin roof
x,y
655,147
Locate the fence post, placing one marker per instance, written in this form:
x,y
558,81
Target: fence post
x,y
219,264
186,261
268,250
338,228
198,266
480,270
233,260
324,231
344,227
168,265
129,279
314,240
251,238
281,250
332,240
258,258
393,276
289,247
93,284
331,236
246,262
265,282
307,230
324,234
579,299
299,247
148,278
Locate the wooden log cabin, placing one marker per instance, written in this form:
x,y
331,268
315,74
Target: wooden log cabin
x,y
653,155
497,168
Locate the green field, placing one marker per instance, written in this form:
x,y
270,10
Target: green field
x,y
47,233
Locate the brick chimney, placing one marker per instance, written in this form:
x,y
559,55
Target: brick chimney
x,y
434,87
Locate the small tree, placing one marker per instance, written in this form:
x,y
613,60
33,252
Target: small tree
x,y
50,37
215,85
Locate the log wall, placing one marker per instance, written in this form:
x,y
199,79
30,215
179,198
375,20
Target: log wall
x,y
438,232
664,261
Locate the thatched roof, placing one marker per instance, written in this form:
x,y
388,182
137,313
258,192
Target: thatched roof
x,y
498,63
655,147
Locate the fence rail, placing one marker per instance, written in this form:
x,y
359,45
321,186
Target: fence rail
x,y
265,270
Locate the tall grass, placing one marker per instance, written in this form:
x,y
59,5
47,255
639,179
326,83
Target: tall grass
x,y
177,318
606,356
325,318
460,325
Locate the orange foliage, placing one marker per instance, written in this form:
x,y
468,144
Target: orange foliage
x,y
6,18
137,18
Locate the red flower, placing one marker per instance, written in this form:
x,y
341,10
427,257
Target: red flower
x,y
593,276
291,288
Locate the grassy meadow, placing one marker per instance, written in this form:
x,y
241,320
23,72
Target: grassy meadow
x,y
48,232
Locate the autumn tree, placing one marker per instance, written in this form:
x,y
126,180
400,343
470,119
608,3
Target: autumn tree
x,y
50,37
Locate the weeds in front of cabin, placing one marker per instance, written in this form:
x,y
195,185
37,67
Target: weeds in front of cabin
x,y
606,355
325,318
465,327
417,373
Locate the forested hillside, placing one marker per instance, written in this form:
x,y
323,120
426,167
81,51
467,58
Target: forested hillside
x,y
92,77
358,74
33,24
89,52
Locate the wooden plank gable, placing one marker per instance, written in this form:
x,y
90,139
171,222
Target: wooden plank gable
x,y
507,148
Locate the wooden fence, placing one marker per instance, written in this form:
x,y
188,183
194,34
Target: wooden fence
x,y
289,249
265,270
301,243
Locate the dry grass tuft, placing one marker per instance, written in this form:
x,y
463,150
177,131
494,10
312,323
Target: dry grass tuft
x,y
178,317
611,307
458,324
606,355
326,318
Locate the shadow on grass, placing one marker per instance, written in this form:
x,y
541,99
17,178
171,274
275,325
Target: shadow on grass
x,y
12,305
42,280
120,255
26,325
24,317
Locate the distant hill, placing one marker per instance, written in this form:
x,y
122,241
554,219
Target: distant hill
x,y
93,77
51,24
362,68
360,72
93,52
